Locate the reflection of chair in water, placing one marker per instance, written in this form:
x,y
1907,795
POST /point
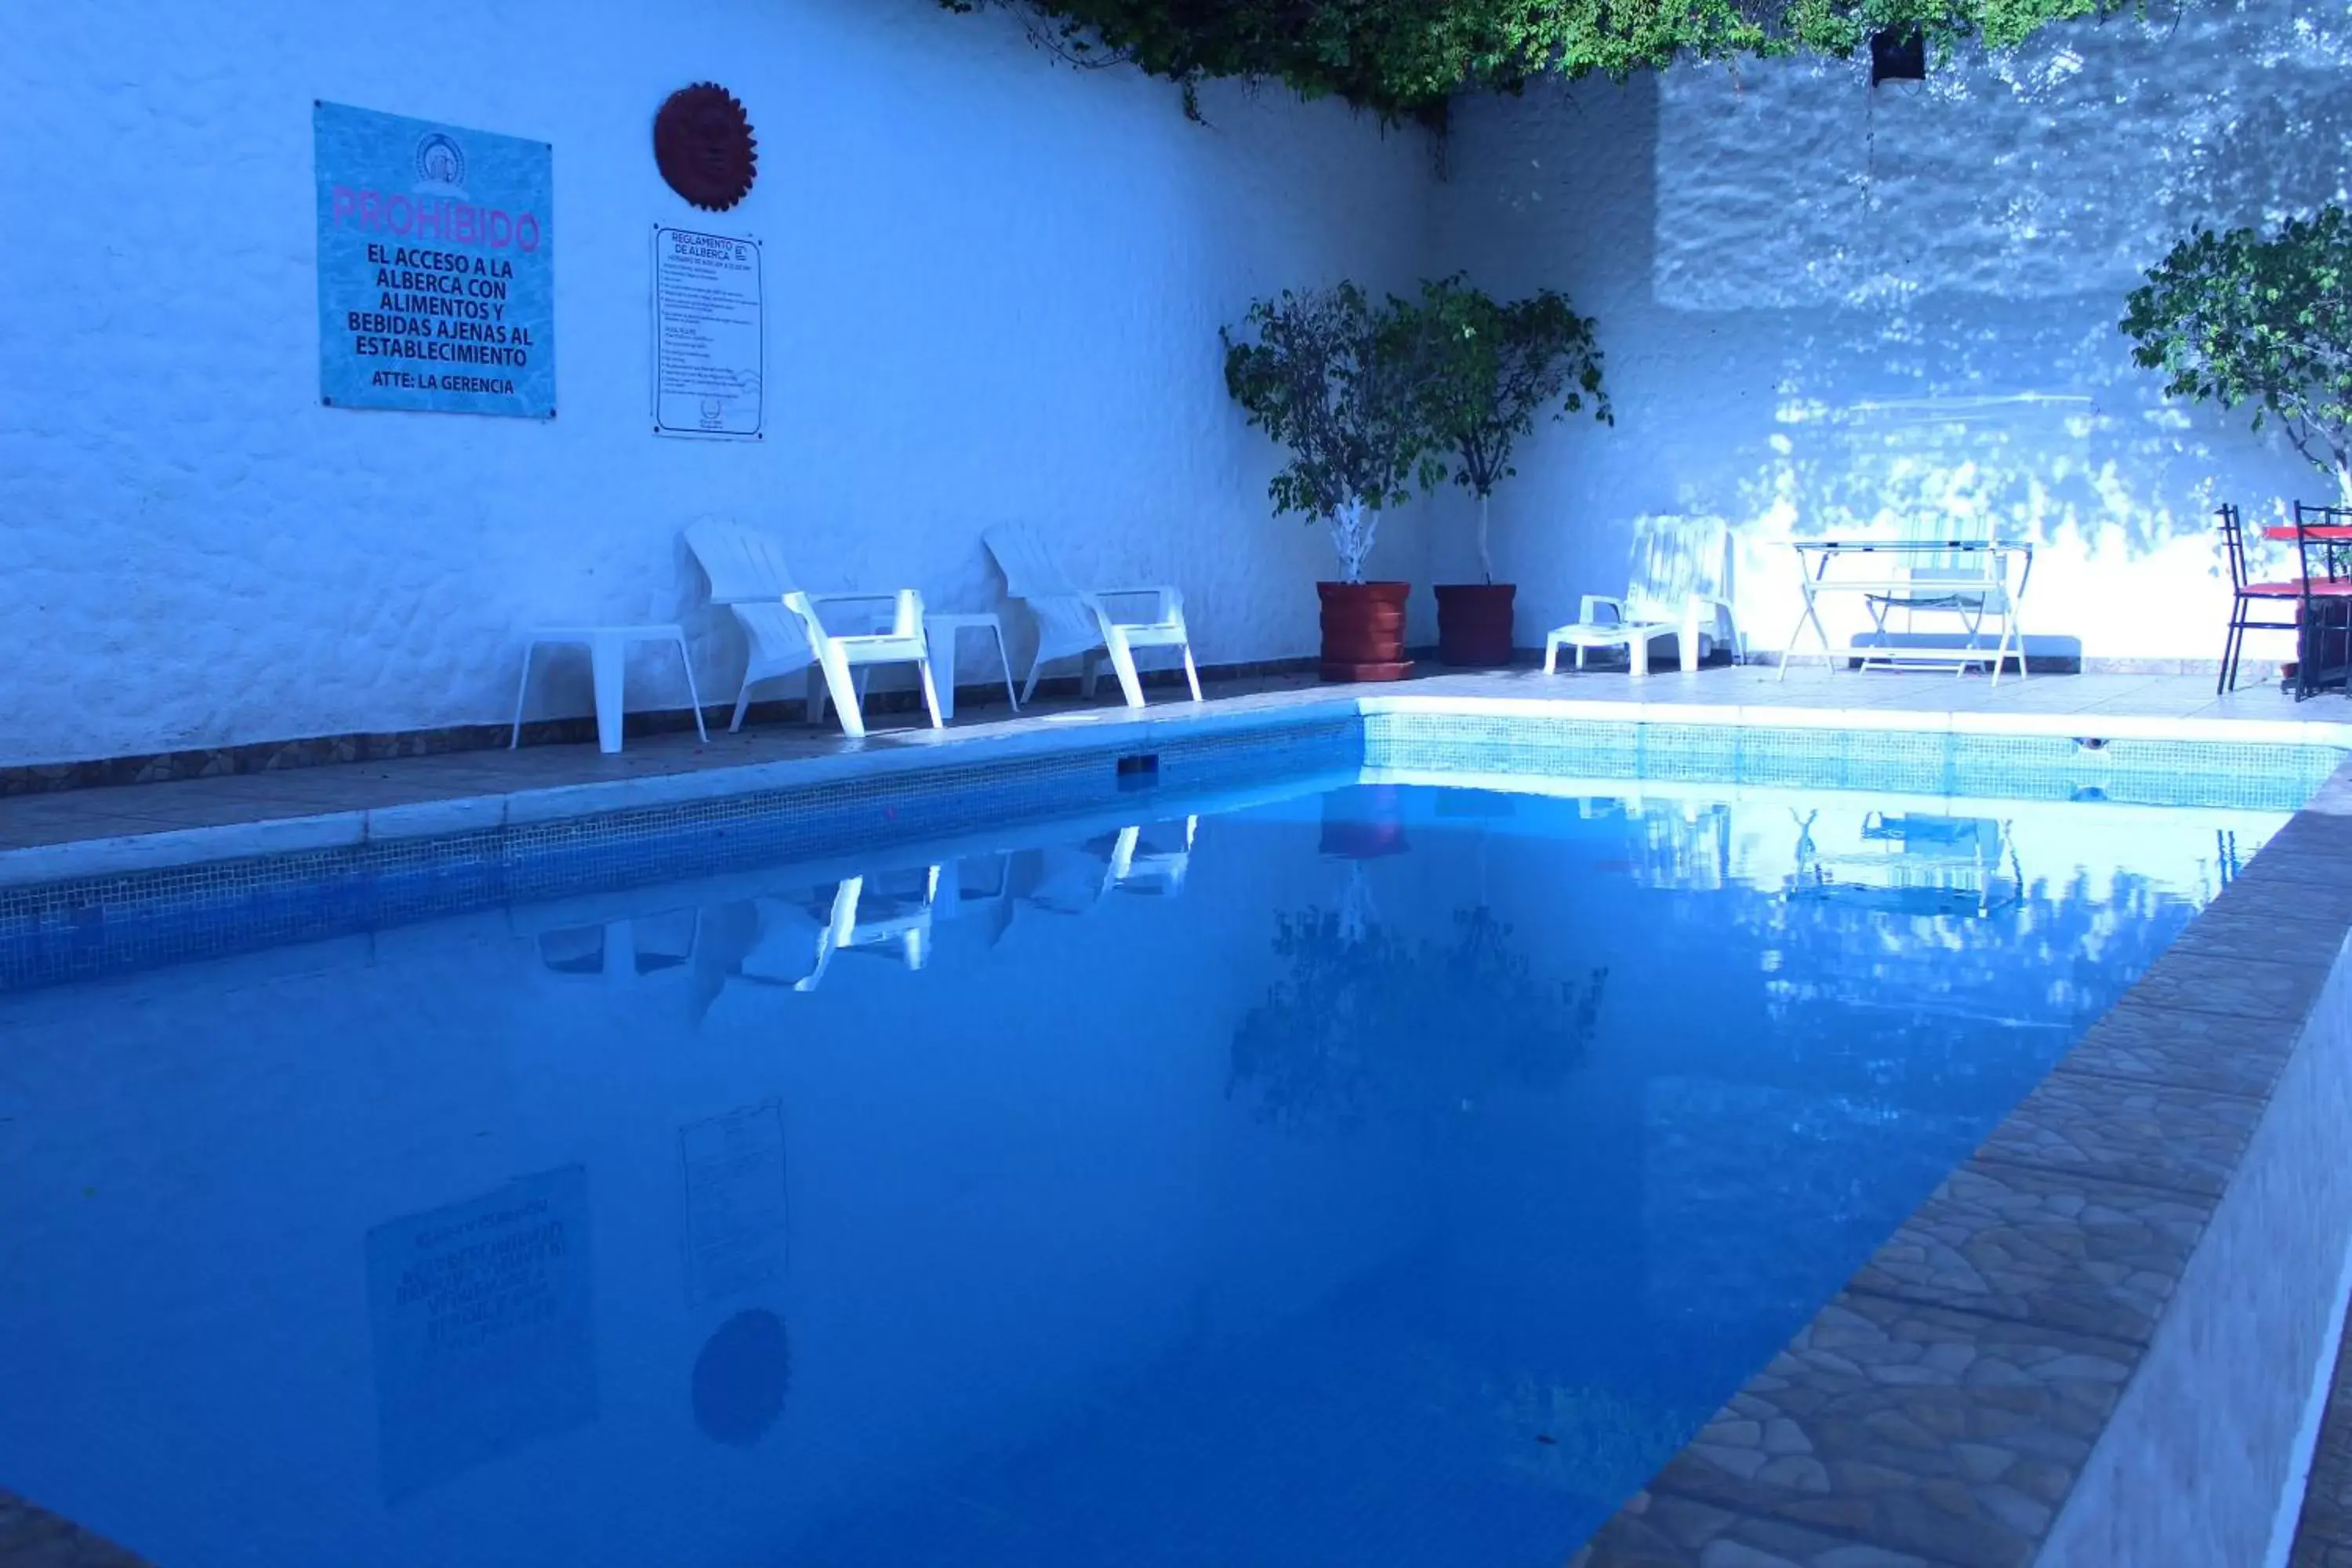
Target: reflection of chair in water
x,y
1070,879
888,914
623,952
976,893
1138,867
1917,865
788,943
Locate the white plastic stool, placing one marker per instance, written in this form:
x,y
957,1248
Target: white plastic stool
x,y
607,648
940,637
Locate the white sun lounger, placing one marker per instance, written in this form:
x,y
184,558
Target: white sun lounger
x,y
1678,588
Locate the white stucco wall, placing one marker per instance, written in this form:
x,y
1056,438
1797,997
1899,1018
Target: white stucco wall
x,y
1825,306
995,286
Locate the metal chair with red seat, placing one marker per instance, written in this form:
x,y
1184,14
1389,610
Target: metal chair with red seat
x,y
2323,654
2246,596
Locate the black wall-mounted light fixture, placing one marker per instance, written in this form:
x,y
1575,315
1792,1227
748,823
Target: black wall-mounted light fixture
x,y
1898,56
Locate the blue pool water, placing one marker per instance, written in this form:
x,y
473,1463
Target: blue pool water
x,y
1371,1175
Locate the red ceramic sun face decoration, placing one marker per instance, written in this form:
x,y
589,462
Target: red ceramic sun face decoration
x,y
704,146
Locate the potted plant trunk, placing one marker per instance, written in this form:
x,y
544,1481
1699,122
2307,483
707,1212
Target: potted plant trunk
x,y
1334,378
1363,623
1489,369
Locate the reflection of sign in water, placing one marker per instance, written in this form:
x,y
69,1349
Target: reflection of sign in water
x,y
436,283
483,1335
734,1202
709,340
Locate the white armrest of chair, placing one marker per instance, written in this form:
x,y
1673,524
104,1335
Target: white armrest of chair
x,y
906,608
1168,604
1589,612
1706,616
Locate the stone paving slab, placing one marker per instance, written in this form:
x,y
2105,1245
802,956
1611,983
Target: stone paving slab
x,y
2184,1049
1909,1429
2172,1139
2053,1248
1657,1531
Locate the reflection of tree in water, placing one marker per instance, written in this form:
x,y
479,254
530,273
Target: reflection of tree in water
x,y
1934,1005
1886,1018
1371,1022
2057,957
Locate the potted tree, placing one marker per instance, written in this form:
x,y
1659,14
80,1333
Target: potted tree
x,y
1334,378
2266,319
1489,370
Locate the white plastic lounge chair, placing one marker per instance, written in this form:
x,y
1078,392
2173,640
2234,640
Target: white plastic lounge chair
x,y
748,576
1679,588
1079,623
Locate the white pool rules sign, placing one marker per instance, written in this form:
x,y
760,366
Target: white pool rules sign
x,y
709,335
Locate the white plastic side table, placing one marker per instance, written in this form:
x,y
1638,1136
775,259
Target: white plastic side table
x,y
607,649
940,634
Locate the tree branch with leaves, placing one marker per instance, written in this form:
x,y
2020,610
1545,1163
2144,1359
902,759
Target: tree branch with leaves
x,y
1491,369
1337,379
2260,319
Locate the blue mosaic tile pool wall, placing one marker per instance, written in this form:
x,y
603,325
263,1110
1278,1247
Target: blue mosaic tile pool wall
x,y
2016,767
75,929
100,925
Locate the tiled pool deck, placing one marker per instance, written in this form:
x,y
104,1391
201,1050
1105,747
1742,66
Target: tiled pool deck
x,y
2096,1343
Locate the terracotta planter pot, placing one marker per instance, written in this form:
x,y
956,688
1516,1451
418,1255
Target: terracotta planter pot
x,y
1363,823
1363,631
1474,624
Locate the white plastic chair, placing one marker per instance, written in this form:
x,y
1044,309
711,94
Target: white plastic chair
x,y
1679,587
748,576
1971,585
1080,623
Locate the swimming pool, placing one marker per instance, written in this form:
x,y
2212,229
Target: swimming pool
x,y
1325,1172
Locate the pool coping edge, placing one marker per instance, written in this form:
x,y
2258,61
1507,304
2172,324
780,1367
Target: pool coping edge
x,y
167,847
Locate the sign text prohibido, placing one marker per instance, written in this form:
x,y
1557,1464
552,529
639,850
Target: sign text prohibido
x,y
436,266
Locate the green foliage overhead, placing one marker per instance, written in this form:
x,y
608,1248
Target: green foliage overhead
x,y
2249,318
1406,57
